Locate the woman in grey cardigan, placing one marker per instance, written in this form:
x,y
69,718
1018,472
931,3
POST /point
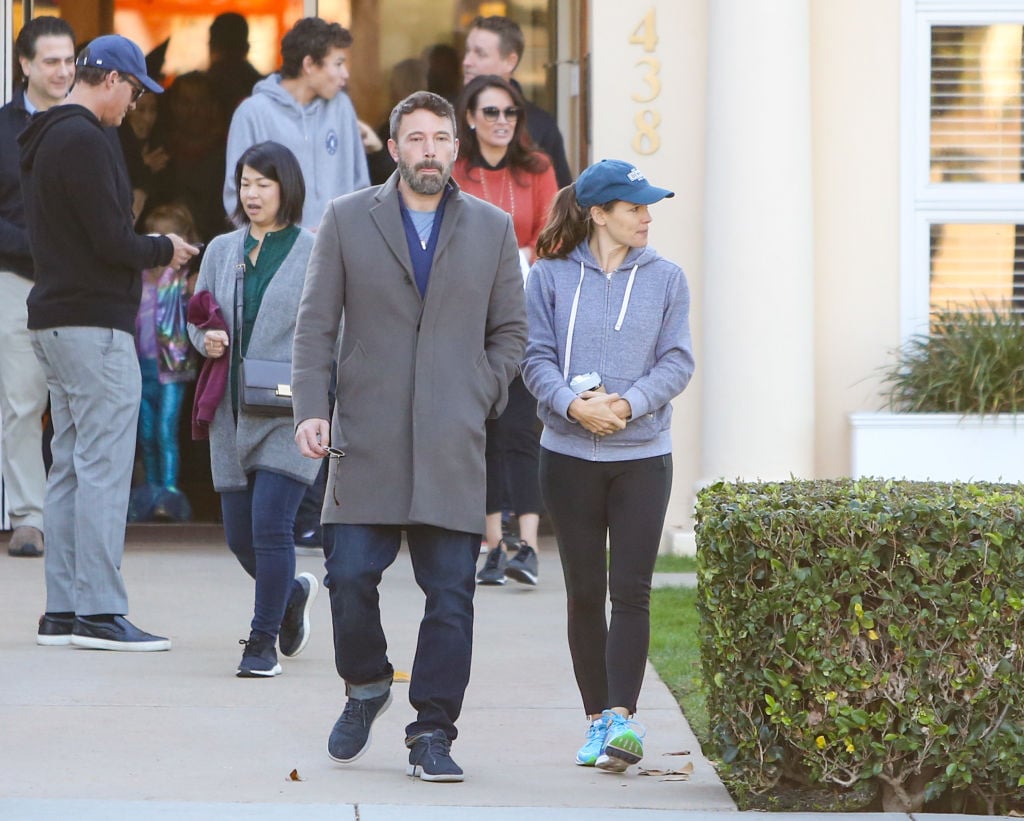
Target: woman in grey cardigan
x,y
257,469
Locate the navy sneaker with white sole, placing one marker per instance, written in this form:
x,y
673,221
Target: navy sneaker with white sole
x,y
430,758
294,632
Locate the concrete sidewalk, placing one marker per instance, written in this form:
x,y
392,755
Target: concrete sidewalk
x,y
89,735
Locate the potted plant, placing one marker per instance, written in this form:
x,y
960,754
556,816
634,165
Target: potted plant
x,y
954,397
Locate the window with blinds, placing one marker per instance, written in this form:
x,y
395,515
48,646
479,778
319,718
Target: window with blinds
x,y
976,263
967,248
976,95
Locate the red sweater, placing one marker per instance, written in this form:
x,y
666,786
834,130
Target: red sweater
x,y
527,204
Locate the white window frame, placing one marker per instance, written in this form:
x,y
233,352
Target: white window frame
x,y
922,202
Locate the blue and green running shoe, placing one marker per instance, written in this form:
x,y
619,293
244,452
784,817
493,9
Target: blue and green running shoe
x,y
623,744
594,745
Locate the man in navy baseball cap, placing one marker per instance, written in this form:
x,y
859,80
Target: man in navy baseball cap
x,y
609,180
81,320
112,52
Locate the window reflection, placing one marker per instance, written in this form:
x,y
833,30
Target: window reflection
x,y
976,263
976,95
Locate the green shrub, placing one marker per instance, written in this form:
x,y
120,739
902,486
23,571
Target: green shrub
x,y
856,630
969,362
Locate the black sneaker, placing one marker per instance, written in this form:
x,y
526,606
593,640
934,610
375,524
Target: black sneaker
x,y
493,571
55,629
111,632
259,658
294,632
523,566
350,736
430,758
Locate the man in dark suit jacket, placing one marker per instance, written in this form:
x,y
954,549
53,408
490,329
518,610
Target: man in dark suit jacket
x,y
46,53
495,45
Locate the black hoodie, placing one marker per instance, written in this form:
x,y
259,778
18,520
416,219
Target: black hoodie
x,y
78,200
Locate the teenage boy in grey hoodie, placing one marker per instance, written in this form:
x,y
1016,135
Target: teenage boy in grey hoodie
x,y
608,349
304,107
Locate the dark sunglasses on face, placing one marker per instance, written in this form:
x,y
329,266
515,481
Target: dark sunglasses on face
x,y
137,89
491,113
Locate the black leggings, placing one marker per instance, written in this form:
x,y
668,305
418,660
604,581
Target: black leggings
x,y
621,505
513,442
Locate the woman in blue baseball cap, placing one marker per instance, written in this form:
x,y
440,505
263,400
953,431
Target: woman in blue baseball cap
x,y
608,350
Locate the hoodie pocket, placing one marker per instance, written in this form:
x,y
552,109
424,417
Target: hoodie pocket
x,y
639,429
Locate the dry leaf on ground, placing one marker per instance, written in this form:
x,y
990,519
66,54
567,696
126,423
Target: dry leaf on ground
x,y
681,774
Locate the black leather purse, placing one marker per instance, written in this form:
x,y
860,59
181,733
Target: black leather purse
x,y
264,385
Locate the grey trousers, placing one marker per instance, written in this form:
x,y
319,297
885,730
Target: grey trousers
x,y
95,391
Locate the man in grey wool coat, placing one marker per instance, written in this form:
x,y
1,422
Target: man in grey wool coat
x,y
428,281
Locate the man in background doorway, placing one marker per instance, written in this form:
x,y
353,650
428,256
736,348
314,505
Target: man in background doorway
x,y
495,45
232,75
45,49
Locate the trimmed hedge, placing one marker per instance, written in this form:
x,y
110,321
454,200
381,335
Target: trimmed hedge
x,y
869,629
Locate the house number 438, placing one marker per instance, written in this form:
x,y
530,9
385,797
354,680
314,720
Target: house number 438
x,y
646,140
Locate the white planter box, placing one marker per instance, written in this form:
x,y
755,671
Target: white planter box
x,y
941,447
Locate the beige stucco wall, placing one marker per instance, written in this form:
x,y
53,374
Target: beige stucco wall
x,y
855,120
855,88
676,231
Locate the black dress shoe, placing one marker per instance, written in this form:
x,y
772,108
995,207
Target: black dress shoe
x,y
112,632
55,629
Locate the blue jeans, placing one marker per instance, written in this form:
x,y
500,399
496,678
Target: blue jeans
x,y
444,564
258,526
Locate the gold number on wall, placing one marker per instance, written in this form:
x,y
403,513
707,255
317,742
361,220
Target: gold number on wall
x,y
646,140
646,33
650,78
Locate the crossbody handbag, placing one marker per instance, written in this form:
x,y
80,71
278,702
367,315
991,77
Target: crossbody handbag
x,y
264,385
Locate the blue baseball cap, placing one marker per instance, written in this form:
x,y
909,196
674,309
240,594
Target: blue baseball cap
x,y
616,180
112,52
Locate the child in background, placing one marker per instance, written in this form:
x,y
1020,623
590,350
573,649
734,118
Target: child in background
x,y
167,363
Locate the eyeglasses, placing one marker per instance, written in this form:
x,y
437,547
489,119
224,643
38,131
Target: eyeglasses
x,y
492,112
137,89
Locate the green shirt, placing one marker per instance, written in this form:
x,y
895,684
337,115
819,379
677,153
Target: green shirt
x,y
276,246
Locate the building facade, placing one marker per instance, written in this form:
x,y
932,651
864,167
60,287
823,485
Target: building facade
x,y
842,168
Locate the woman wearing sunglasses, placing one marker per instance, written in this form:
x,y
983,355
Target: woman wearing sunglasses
x,y
498,163
608,350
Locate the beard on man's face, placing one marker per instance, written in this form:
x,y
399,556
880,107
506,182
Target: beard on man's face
x,y
429,184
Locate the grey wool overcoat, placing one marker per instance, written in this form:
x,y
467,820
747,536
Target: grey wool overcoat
x,y
417,377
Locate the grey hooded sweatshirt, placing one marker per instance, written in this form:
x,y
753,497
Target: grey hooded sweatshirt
x,y
631,326
323,136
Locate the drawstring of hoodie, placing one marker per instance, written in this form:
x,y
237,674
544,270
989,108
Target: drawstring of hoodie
x,y
625,298
572,324
575,308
